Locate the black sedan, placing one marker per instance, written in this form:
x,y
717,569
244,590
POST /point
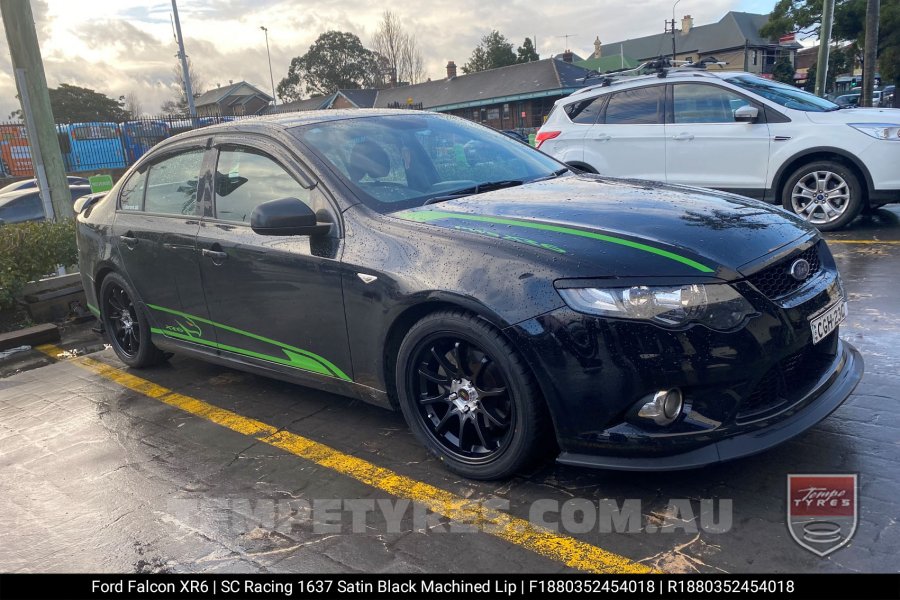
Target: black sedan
x,y
511,309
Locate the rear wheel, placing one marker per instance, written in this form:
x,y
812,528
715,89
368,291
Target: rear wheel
x,y
126,325
825,193
468,397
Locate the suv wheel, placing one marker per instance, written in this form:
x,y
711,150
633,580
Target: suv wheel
x,y
825,193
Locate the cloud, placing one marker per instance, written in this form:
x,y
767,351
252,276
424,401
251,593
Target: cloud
x,y
131,48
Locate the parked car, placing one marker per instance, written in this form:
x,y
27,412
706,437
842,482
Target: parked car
x,y
32,183
848,100
503,303
887,97
737,132
516,135
25,204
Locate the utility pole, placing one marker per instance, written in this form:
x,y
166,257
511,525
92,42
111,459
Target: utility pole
x,y
824,42
35,98
870,60
673,31
185,73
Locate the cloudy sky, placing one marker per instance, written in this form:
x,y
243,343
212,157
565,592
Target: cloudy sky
x,y
119,47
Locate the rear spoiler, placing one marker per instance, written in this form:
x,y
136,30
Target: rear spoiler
x,y
83,203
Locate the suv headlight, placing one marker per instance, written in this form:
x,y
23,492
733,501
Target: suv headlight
x,y
881,131
717,306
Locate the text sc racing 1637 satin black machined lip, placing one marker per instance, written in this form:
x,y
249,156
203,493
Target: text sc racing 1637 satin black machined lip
x,y
511,309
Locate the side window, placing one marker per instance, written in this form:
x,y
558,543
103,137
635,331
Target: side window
x,y
638,106
132,194
586,111
246,178
172,184
698,103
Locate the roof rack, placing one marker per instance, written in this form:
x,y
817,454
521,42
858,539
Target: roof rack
x,y
661,67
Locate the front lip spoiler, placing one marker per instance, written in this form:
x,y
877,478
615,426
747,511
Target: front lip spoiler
x,y
746,444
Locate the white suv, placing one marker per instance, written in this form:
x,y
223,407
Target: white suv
x,y
736,132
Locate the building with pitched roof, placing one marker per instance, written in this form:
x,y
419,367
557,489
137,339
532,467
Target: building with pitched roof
x,y
516,96
734,39
235,99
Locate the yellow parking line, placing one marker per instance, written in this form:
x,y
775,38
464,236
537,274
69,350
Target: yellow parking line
x,y
565,549
879,242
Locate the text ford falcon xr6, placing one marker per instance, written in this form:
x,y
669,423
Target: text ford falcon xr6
x,y
506,305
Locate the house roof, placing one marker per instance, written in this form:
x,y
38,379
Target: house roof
x,y
515,82
308,104
360,98
608,63
216,95
732,31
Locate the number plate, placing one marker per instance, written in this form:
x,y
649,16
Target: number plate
x,y
827,321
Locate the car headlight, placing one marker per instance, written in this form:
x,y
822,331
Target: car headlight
x,y
717,306
881,131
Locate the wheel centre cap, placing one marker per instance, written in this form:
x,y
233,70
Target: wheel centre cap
x,y
464,395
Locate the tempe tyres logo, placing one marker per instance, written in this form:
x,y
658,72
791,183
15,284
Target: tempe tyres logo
x,y
821,511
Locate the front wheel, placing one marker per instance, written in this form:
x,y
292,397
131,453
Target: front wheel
x,y
126,325
468,397
826,193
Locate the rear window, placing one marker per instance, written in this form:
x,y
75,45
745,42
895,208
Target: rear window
x,y
94,132
587,111
638,106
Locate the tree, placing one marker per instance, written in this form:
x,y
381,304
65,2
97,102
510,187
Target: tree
x,y
526,52
783,70
494,51
336,60
178,106
399,48
73,104
133,105
839,61
805,16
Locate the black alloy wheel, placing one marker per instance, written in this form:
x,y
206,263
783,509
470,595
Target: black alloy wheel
x,y
125,324
468,397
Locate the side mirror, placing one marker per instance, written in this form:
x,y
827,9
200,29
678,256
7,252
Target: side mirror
x,y
287,216
746,114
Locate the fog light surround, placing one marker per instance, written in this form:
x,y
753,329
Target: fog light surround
x,y
664,408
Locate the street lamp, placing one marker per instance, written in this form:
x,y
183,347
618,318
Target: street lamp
x,y
673,30
271,77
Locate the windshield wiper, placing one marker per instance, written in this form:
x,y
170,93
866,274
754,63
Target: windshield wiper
x,y
552,175
487,186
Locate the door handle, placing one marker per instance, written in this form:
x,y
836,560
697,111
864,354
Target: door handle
x,y
129,241
684,137
217,256
603,137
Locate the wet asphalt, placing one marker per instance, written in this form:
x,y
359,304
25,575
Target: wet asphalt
x,y
96,477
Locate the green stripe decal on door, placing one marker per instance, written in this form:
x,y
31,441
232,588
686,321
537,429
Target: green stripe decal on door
x,y
426,216
292,357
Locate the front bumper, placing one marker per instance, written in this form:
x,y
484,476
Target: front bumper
x,y
745,390
827,395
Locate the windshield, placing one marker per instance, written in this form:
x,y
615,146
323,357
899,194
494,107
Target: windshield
x,y
398,162
783,94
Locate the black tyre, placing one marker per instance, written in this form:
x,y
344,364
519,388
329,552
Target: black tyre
x,y
825,193
469,398
126,324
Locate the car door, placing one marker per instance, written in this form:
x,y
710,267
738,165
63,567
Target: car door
x,y
155,231
629,139
274,301
706,147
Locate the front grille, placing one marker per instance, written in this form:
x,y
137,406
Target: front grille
x,y
776,281
785,381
